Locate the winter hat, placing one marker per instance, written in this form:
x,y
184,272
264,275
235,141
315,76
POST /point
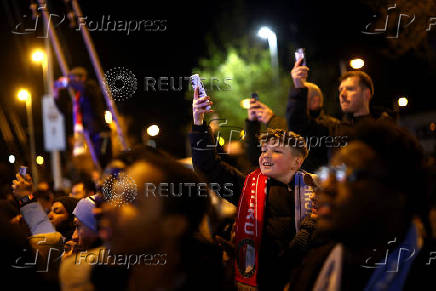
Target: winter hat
x,y
83,212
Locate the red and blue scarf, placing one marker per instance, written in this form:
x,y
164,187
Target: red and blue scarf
x,y
250,217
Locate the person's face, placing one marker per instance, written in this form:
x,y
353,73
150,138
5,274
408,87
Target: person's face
x,y
83,235
350,207
314,102
278,161
140,227
77,191
57,214
351,95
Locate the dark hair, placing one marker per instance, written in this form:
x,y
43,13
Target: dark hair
x,y
193,207
402,160
67,227
364,79
88,183
285,138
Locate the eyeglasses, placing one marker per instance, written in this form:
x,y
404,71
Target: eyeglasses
x,y
339,172
343,173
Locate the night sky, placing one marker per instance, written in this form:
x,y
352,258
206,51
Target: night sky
x,y
330,31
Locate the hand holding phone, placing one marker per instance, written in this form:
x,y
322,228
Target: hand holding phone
x,y
201,103
299,72
22,186
300,55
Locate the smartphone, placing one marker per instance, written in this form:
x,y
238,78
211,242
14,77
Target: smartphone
x,y
24,171
196,83
300,54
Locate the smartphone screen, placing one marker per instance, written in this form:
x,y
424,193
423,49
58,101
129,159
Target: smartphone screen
x,y
300,54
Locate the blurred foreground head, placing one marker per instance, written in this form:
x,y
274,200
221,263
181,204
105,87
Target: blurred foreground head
x,y
168,204
374,186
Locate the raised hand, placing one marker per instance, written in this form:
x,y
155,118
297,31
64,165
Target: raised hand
x,y
200,106
262,112
22,186
299,74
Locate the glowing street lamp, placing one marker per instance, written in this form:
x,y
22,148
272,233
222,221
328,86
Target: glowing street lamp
x,y
153,130
11,159
38,56
357,63
23,94
40,160
402,101
266,33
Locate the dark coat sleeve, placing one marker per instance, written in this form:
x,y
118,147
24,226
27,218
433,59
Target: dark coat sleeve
x,y
296,111
207,163
251,142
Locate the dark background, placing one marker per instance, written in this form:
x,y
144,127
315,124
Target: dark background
x,y
329,30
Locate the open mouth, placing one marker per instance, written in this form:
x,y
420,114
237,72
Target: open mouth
x,y
267,164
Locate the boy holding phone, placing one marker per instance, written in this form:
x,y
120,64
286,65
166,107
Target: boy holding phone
x,y
274,224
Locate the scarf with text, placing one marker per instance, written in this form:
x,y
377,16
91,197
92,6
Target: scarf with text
x,y
249,223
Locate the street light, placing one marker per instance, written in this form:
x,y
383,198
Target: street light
x,y
38,56
11,159
153,130
357,63
40,160
402,101
266,33
23,94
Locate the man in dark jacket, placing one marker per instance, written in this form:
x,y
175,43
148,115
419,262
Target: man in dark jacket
x,y
356,90
271,209
373,205
89,113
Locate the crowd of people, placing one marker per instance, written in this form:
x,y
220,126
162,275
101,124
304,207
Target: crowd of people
x,y
320,204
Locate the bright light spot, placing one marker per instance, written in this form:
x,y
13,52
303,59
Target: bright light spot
x,y
357,63
108,117
11,159
38,55
265,32
23,94
39,160
153,130
245,103
432,126
221,141
242,134
402,102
